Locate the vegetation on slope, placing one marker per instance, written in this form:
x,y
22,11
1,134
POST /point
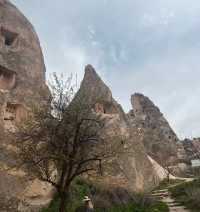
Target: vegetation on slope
x,y
168,183
107,200
188,194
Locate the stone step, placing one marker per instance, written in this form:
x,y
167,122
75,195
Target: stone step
x,y
174,204
159,191
159,198
160,194
164,195
178,209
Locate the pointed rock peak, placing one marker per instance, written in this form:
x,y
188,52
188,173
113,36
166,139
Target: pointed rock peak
x,y
92,79
93,86
91,75
138,94
89,69
140,102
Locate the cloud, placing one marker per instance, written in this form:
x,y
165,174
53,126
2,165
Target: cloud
x,y
135,46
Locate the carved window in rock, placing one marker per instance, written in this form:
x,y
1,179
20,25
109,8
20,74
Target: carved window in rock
x,y
8,37
105,108
99,108
14,113
7,79
155,148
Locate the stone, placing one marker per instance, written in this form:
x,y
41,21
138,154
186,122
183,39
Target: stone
x,y
22,85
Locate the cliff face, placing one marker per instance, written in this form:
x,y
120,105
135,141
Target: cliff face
x,y
192,148
160,141
132,169
22,84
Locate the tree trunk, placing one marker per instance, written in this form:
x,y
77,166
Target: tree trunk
x,y
168,176
63,202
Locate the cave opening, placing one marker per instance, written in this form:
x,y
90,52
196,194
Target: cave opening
x,y
9,37
7,79
15,112
105,108
99,108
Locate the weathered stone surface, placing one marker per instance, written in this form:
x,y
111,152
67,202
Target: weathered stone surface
x,y
192,148
160,141
22,84
132,169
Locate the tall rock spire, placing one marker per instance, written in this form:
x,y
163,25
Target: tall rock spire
x,y
160,141
131,170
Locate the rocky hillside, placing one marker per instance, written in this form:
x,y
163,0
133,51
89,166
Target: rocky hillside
x,y
160,141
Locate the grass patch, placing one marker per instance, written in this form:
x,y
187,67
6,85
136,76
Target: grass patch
x,y
131,207
188,194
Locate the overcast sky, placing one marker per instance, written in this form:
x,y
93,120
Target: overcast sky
x,y
135,45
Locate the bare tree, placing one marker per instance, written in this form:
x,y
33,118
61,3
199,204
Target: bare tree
x,y
62,142
168,163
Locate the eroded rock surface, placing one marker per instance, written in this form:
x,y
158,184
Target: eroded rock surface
x,y
22,85
192,148
160,141
132,169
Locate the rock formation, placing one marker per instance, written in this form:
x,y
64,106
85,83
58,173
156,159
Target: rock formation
x,y
22,85
160,141
132,169
192,148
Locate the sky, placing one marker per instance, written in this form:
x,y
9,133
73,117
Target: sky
x,y
150,47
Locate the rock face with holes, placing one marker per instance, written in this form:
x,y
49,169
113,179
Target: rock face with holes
x,y
192,148
160,141
132,169
22,84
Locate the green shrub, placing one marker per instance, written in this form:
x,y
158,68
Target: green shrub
x,y
79,189
188,194
165,183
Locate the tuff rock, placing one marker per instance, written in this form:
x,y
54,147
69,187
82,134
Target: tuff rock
x,y
160,141
22,85
144,132
192,148
132,169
